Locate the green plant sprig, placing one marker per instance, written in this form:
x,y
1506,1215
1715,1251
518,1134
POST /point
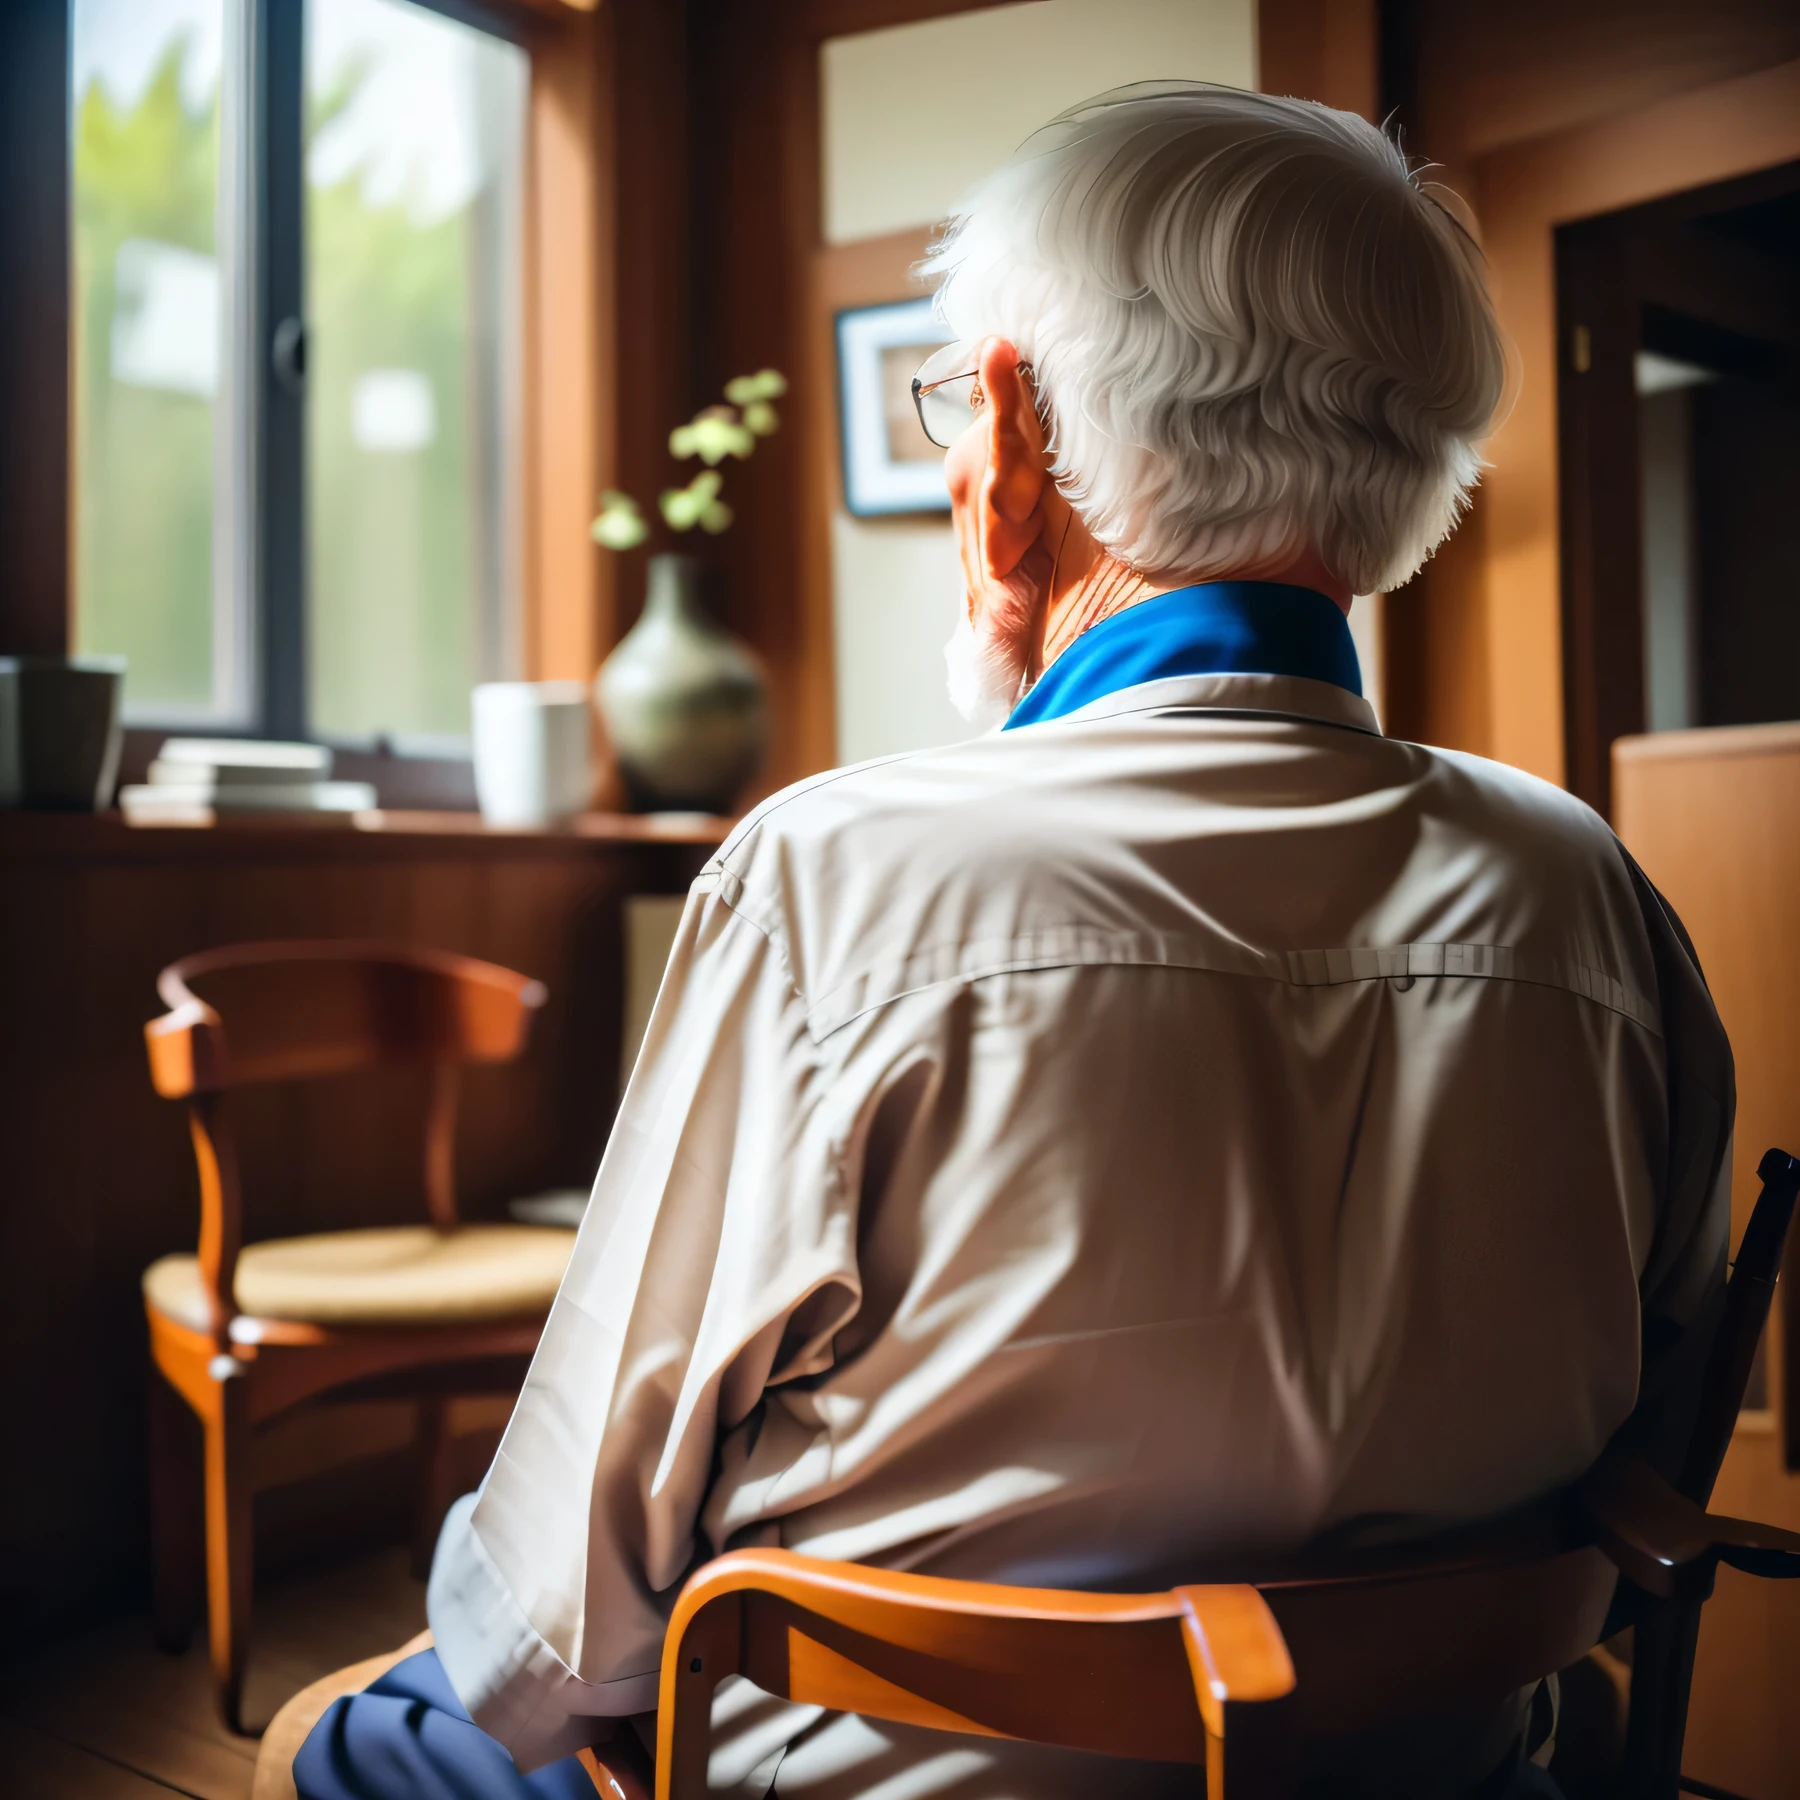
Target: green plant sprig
x,y
710,436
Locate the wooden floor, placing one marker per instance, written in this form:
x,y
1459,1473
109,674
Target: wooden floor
x,y
105,1717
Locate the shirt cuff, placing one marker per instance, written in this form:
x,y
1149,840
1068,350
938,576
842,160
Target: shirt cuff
x,y
516,1688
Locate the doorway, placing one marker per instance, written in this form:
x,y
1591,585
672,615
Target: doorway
x,y
1678,401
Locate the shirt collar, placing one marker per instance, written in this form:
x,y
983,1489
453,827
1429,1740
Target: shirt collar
x,y
1215,629
1280,696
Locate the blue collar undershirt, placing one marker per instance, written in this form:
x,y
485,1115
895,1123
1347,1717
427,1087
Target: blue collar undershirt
x,y
1216,628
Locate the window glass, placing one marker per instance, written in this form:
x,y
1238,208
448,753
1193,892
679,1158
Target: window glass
x,y
415,129
147,342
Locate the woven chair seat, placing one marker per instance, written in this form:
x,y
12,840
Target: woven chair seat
x,y
389,1275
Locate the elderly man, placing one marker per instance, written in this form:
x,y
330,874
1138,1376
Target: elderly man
x,y
1182,1122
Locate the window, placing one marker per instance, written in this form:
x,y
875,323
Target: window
x,y
145,319
297,248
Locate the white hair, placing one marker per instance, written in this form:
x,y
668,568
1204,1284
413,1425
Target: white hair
x,y
1253,331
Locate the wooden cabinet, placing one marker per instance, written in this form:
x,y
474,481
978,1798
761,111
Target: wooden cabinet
x,y
96,1174
1714,818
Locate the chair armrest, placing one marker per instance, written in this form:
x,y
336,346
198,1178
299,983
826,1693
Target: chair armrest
x,y
1091,1671
1651,1532
1235,1650
1244,1682
1773,1562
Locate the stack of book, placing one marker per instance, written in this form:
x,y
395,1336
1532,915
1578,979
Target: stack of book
x,y
194,781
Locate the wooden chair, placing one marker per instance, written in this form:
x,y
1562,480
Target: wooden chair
x,y
1238,1677
244,1333
1241,1677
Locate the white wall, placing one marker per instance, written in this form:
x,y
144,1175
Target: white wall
x,y
896,590
912,117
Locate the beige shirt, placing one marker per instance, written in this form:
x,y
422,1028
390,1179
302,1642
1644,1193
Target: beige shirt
x,y
1174,1130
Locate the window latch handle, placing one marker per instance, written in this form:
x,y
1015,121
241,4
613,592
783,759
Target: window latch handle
x,y
287,356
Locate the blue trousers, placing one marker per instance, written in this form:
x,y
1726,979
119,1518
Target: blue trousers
x,y
406,1737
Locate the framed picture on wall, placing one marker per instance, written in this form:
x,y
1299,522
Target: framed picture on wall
x,y
890,465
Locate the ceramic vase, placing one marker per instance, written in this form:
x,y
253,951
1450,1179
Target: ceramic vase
x,y
683,701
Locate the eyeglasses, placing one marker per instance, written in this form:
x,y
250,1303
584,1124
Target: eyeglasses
x,y
945,406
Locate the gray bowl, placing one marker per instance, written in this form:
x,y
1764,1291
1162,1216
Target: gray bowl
x,y
60,731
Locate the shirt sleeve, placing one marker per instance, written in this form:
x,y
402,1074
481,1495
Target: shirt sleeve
x,y
717,1256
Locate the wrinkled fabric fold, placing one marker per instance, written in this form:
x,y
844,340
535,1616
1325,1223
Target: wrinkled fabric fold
x,y
407,1737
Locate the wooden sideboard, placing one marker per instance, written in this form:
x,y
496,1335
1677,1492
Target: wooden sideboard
x,y
96,1174
1714,819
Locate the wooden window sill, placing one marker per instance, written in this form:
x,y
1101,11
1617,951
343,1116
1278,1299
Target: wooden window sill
x,y
377,834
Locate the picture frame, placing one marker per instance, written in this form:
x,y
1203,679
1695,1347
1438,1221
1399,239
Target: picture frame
x,y
890,467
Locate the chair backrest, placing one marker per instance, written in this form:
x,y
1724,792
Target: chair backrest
x,y
1236,1676
288,1011
1747,1302
296,1010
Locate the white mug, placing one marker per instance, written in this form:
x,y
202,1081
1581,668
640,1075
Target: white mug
x,y
533,751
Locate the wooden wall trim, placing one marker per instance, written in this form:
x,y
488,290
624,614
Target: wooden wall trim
x,y
755,100
864,273
570,323
1692,140
1325,50
651,381
817,20
756,240
1601,568
1522,194
35,518
815,667
1490,76
610,348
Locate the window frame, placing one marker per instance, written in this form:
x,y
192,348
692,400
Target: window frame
x,y
269,392
607,94
263,401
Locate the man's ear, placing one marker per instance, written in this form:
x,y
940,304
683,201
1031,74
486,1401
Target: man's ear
x,y
1012,489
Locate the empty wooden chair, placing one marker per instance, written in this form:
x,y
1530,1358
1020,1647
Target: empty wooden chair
x,y
245,1332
